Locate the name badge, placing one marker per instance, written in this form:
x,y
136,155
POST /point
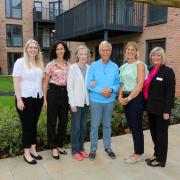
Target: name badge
x,y
159,79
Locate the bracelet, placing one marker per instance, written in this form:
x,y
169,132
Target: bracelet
x,y
129,98
112,90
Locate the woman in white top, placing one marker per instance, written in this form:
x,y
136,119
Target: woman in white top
x,y
27,78
79,101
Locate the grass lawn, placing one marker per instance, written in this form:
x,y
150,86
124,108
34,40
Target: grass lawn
x,y
6,84
7,101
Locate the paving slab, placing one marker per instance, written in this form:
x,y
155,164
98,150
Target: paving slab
x,y
67,168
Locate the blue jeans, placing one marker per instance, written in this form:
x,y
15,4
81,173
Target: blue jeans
x,y
78,129
101,111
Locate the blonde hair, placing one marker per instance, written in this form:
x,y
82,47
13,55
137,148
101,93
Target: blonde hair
x,y
105,42
38,58
160,51
135,45
80,48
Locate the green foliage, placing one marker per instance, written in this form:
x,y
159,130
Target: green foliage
x,y
10,128
6,84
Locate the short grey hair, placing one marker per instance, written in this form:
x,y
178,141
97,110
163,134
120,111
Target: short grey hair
x,y
78,49
105,42
160,51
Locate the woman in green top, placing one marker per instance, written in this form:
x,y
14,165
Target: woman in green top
x,y
132,76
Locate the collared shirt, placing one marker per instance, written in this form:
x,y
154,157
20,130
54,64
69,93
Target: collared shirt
x,y
128,75
31,79
105,76
58,74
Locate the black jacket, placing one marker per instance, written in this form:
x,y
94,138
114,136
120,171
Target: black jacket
x,y
161,92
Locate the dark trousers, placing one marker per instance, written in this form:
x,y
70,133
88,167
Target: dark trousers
x,y
134,114
57,115
78,129
159,132
29,118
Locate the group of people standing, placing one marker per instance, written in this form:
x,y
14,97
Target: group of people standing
x,y
61,86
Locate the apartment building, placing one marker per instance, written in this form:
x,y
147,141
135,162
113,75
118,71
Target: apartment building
x,y
120,21
21,20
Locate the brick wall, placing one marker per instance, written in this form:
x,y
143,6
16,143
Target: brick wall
x,y
27,28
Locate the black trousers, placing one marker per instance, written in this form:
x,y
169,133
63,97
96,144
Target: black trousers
x,y
57,115
159,132
134,114
29,118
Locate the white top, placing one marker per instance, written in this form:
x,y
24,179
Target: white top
x,y
77,86
31,79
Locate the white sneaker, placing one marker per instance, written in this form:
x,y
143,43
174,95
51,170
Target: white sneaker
x,y
133,160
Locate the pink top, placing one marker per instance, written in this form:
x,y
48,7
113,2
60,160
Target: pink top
x,y
58,74
148,81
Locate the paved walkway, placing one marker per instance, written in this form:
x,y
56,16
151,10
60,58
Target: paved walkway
x,y
102,168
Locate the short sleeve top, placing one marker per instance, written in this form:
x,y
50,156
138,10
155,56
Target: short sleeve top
x,y
128,75
58,74
31,79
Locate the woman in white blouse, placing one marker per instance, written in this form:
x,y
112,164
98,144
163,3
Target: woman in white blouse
x,y
27,78
79,101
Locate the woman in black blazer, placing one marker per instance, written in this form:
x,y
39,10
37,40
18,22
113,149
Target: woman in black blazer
x,y
159,92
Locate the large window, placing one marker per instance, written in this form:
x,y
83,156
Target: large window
x,y
14,35
116,56
150,44
54,9
38,6
157,14
12,57
14,9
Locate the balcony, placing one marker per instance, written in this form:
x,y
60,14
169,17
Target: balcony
x,y
90,19
47,15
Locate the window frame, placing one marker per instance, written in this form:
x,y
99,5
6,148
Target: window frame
x,y
156,22
11,16
14,60
147,48
11,32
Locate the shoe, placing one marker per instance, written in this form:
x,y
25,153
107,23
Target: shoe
x,y
61,151
110,153
92,155
78,156
132,160
127,156
84,154
155,164
33,162
38,157
150,160
55,157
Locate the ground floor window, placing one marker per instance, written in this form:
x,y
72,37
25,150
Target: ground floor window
x,y
150,44
116,56
12,57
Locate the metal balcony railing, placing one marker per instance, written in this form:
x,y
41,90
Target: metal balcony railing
x,y
92,16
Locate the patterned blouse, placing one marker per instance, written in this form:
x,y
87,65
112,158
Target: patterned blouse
x,y
58,74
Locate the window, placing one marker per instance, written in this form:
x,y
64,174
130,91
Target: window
x,y
156,14
14,35
150,44
116,56
38,9
14,9
54,10
12,57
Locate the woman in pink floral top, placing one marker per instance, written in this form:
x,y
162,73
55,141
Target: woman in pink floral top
x,y
56,98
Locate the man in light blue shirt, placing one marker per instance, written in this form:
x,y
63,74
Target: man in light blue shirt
x,y
103,84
